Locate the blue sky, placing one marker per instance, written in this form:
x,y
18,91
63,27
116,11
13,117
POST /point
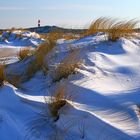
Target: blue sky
x,y
66,13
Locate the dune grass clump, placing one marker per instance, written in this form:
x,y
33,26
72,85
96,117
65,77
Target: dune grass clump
x,y
45,48
97,26
55,35
114,28
42,52
50,113
71,36
58,100
2,75
68,66
64,70
62,35
35,63
39,56
24,53
122,29
13,79
1,32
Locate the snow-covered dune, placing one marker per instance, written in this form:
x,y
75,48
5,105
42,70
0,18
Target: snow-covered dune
x,y
12,42
105,95
20,38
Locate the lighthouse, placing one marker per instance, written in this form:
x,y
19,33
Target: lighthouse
x,y
38,23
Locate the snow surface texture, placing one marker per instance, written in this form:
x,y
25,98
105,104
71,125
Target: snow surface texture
x,y
20,38
11,42
106,95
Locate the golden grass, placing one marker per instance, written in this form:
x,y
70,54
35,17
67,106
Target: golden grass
x,y
113,27
17,29
48,115
96,26
58,100
36,64
56,105
40,54
64,70
61,35
54,36
45,47
71,36
24,53
43,50
14,80
2,75
122,29
68,66
1,32
44,36
22,29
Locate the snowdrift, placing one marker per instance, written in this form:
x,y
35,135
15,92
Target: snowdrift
x,y
12,41
105,92
20,38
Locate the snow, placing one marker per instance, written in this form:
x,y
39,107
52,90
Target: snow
x,y
12,42
105,92
20,38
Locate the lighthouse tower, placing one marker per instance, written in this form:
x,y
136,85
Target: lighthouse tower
x,y
38,23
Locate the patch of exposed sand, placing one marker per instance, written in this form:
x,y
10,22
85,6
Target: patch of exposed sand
x,y
9,52
8,55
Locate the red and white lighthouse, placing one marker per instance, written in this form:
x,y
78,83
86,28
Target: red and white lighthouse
x,y
39,23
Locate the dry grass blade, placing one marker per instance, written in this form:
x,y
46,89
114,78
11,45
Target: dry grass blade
x,y
50,110
64,70
58,100
121,29
1,32
114,28
43,50
55,35
38,62
2,75
68,66
24,53
97,26
45,47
